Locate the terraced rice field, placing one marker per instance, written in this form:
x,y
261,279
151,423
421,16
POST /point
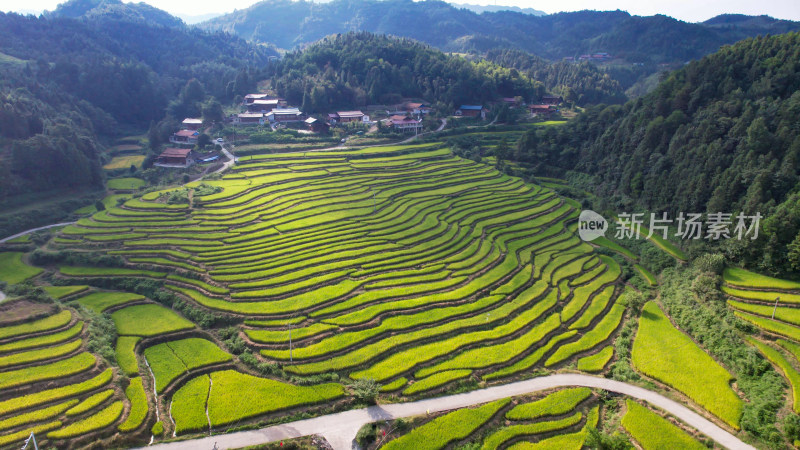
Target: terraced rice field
x,y
50,384
567,413
652,431
769,303
773,306
125,183
664,353
401,264
124,162
13,270
170,360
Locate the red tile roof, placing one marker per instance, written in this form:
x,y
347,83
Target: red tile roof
x,y
186,133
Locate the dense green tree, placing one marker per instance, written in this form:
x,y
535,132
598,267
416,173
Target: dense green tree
x,y
356,69
719,135
213,112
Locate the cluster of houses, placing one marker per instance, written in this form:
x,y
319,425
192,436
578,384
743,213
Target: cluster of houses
x,y
596,57
261,109
184,140
547,106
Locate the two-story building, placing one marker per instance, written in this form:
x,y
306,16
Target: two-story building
x,y
185,137
405,123
351,116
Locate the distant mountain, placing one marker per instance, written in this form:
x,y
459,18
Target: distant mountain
x,y
191,19
650,40
115,10
496,8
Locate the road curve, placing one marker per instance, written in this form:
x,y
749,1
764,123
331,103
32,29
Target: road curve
x,y
33,230
340,429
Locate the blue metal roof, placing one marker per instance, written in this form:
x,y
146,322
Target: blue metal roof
x,y
475,107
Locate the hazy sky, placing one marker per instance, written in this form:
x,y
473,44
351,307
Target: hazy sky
x,y
688,10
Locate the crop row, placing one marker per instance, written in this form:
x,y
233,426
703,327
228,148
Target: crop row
x,y
450,427
172,359
663,352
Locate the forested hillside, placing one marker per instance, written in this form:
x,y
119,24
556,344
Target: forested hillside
x,y
106,9
363,68
719,135
66,83
578,83
648,40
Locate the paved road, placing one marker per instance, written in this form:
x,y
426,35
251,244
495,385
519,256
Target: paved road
x,y
340,429
231,159
33,230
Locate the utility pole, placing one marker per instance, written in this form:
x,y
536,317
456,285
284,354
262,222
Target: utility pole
x,y
775,308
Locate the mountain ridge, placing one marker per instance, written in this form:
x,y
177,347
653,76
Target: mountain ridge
x,y
291,24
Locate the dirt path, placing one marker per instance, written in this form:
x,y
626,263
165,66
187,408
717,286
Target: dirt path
x,y
340,429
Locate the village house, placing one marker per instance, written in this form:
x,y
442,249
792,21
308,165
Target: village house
x,y
417,108
316,125
284,115
250,98
600,56
472,111
351,116
405,123
175,157
191,124
249,119
185,137
263,105
541,110
552,100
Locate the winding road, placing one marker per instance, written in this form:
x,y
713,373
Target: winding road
x,y
32,230
340,429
